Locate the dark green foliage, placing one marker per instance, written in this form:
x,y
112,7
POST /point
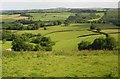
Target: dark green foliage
x,y
18,44
92,27
98,29
38,43
82,11
81,18
4,41
83,45
38,48
7,35
45,28
99,43
41,43
44,42
26,15
26,21
108,43
112,16
66,23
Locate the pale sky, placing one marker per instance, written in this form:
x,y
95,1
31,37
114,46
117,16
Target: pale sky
x,y
45,4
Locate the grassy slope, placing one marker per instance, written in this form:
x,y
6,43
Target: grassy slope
x,y
68,40
80,64
50,16
11,18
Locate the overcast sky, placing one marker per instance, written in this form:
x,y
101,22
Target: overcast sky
x,y
45,4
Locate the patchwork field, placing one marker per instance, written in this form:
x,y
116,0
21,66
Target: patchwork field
x,y
65,60
68,37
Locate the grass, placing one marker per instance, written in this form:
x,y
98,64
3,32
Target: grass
x,y
66,37
50,16
65,60
50,64
11,18
5,46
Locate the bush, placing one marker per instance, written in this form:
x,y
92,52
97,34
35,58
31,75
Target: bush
x,y
37,47
98,29
92,27
83,45
108,43
98,43
111,43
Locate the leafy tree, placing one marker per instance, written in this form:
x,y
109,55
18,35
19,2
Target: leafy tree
x,y
83,45
4,41
8,35
66,23
98,43
18,44
45,28
110,43
44,42
38,48
92,27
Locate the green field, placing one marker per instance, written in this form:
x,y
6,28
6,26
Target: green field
x,y
67,37
50,16
60,64
65,60
11,18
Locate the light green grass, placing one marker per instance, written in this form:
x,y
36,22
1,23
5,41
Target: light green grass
x,y
67,40
7,45
50,16
80,64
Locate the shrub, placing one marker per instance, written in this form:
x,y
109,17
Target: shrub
x,y
37,47
83,45
4,41
92,27
110,43
98,43
98,29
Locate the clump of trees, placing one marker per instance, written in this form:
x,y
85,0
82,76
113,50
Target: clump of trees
x,y
26,15
108,43
19,26
94,27
29,24
7,35
82,11
28,42
81,18
112,16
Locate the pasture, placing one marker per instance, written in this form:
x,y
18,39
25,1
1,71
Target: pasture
x,y
60,64
64,60
50,16
68,37
11,18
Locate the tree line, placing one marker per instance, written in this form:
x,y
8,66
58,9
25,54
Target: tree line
x,y
108,43
28,24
